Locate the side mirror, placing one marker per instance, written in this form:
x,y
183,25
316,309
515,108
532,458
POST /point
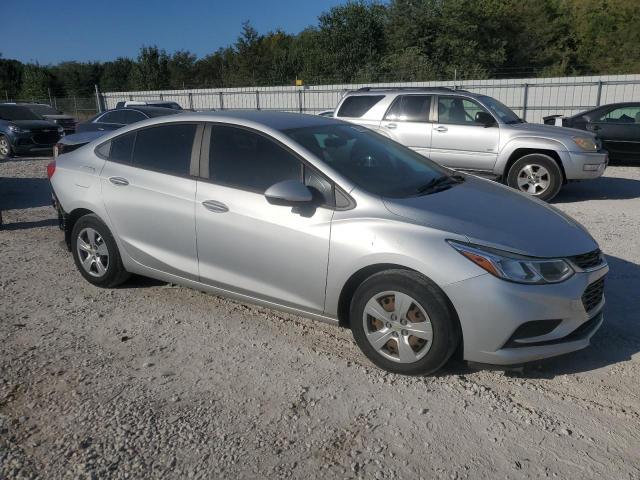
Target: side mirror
x,y
485,119
290,193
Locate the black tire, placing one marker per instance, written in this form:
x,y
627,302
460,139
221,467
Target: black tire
x,y
444,321
547,163
6,151
115,273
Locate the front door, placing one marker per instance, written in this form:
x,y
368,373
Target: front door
x,y
247,245
149,196
407,122
459,141
619,130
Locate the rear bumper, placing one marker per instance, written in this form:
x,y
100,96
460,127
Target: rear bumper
x,y
491,311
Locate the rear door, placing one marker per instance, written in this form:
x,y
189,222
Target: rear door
x,y
245,244
458,140
619,130
407,122
149,187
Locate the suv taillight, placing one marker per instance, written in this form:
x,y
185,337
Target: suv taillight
x,y
51,168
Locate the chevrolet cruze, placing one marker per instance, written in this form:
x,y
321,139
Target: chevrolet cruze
x,y
332,221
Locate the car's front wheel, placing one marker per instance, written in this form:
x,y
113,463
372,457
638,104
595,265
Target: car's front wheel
x,y
537,175
95,253
5,148
403,323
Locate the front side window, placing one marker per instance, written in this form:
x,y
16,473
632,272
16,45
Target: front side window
x,y
247,160
131,116
165,148
116,117
409,108
458,111
373,162
357,105
623,115
500,110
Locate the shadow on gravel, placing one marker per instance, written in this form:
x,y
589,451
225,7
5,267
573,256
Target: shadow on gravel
x,y
21,193
51,222
604,188
617,340
137,281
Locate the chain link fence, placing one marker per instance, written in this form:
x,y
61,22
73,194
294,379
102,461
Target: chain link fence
x,y
531,98
80,108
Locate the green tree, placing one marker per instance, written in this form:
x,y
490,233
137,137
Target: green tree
x,y
116,75
10,78
35,82
151,71
181,68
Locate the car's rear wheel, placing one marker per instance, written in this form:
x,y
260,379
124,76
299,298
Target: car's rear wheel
x,y
95,253
404,323
537,175
5,148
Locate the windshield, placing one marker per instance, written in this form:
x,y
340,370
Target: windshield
x,y
371,161
501,110
43,109
16,112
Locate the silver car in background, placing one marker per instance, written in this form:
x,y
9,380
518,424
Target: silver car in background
x,y
476,133
332,221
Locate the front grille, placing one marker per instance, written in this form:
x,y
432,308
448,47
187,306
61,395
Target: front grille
x,y
589,260
46,138
593,295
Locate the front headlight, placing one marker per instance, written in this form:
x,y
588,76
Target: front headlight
x,y
515,268
587,144
17,129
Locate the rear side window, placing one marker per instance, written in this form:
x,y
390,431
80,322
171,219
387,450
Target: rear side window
x,y
122,148
117,117
247,160
131,116
165,148
357,105
409,108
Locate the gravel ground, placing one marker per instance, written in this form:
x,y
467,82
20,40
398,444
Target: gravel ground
x,y
156,381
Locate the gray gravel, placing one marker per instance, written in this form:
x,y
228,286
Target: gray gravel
x,y
156,381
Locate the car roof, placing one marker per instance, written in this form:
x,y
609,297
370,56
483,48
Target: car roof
x,y
274,120
408,90
144,109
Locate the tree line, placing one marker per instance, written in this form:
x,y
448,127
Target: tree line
x,y
362,41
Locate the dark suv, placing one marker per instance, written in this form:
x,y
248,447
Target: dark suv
x,y
24,132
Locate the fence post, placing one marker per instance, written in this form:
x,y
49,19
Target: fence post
x,y
300,103
98,102
599,97
161,97
525,97
221,100
191,100
49,91
257,100
75,105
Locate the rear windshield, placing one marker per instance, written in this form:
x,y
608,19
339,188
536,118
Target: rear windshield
x,y
16,112
358,105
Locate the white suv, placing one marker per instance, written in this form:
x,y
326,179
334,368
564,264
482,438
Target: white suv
x,y
477,133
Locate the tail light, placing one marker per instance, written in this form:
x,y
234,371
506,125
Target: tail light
x,y
51,168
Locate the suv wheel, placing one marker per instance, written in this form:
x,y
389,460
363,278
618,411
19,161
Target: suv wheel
x,y
403,323
96,254
537,175
5,148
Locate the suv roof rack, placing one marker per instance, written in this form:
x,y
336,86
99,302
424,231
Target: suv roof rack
x,y
377,89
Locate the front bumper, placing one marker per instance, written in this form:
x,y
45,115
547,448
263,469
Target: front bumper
x,y
25,143
584,165
491,310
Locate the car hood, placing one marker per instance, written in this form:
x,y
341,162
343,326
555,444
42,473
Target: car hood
x,y
497,216
81,138
549,130
34,124
58,117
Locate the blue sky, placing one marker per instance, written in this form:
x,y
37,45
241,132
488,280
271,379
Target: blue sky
x,y
49,32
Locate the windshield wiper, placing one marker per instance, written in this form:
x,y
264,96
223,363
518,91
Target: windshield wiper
x,y
440,183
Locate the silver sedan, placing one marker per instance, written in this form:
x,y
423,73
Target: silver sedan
x,y
334,222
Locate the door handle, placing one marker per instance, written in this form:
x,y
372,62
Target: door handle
x,y
440,129
214,206
391,126
119,181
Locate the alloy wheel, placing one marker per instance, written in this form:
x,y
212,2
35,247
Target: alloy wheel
x,y
4,147
533,179
397,327
92,252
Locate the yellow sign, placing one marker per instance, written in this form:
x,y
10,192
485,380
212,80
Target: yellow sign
x,y
299,82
